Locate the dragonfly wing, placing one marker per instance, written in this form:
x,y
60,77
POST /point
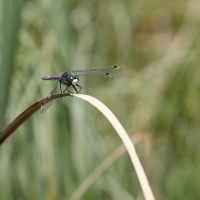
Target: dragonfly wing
x,y
111,70
93,77
88,81
49,100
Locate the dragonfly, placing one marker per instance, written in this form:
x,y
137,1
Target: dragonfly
x,y
78,80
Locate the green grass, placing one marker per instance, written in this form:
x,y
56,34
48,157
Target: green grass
x,y
157,45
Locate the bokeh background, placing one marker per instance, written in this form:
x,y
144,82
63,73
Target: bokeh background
x,y
156,43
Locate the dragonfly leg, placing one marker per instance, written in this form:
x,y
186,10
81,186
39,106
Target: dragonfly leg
x,y
61,90
79,87
75,89
67,88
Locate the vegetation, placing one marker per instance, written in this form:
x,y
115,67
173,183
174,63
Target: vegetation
x,y
157,93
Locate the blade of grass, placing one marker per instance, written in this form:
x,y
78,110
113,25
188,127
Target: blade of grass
x,y
105,164
23,117
113,120
126,140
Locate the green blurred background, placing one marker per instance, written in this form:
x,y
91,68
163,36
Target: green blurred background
x,y
156,43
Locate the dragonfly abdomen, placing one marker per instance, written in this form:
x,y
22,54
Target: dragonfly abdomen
x,y
54,78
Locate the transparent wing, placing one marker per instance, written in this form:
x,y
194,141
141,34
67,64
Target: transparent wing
x,y
49,100
93,80
93,77
88,72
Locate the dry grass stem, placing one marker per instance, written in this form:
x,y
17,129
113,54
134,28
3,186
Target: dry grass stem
x,y
127,142
22,118
106,163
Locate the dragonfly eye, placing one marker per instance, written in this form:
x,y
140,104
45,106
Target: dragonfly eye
x,y
74,79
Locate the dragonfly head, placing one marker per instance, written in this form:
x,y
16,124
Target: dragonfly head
x,y
74,79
